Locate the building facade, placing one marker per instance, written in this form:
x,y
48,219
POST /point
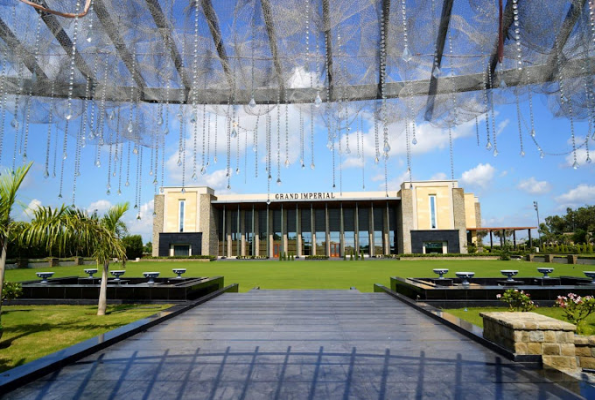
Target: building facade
x,y
422,217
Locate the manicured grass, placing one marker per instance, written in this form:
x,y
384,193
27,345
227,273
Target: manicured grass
x,y
303,274
31,332
472,315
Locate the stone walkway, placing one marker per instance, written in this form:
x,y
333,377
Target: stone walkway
x,y
295,345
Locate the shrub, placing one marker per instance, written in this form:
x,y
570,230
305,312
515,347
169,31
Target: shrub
x,y
11,290
316,257
517,300
576,308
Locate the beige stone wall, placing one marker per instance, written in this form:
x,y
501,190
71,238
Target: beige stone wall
x,y
208,225
172,212
585,351
157,222
527,333
444,215
458,206
405,220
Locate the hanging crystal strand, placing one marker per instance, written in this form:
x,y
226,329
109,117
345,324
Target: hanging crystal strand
x,y
64,148
181,136
203,168
230,120
216,132
333,158
3,99
518,113
30,92
208,139
286,132
517,35
255,146
312,165
454,109
156,162
588,159
195,94
109,171
139,181
245,157
55,162
72,58
301,137
363,161
279,138
588,87
268,146
436,72
101,116
46,171
76,163
15,123
120,169
238,148
252,102
90,18
491,105
477,130
357,133
182,155
376,140
152,155
406,55
486,101
566,100
127,183
162,165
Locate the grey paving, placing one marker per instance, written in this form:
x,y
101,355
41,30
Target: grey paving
x,y
295,345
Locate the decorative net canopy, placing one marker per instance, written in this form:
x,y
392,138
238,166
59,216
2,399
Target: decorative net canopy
x,y
120,72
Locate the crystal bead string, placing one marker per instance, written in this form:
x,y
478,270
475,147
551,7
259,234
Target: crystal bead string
x,y
203,168
486,100
566,100
229,122
195,93
255,146
301,137
238,138
120,169
72,64
518,113
76,163
216,134
286,131
279,138
3,98
139,181
493,116
182,153
363,157
162,165
46,171
268,139
15,123
109,170
30,92
477,130
454,107
207,163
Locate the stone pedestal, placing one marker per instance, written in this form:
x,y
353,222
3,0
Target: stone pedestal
x,y
572,259
53,262
549,258
527,333
530,257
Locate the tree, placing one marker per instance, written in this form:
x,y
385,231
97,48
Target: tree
x,y
133,245
63,227
148,248
10,182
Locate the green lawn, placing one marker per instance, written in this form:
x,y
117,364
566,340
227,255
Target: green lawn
x,y
472,315
314,274
31,332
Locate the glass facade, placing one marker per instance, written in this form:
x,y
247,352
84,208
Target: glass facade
x,y
339,229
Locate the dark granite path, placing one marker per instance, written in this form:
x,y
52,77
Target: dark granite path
x,y
295,345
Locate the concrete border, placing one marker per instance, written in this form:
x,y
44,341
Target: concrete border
x,y
19,376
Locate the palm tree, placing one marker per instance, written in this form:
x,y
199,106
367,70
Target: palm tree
x,y
10,182
73,228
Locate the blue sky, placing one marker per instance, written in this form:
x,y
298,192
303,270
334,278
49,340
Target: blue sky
x,y
506,185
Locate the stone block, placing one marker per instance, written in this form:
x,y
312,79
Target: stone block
x,y
549,336
581,340
572,259
591,340
559,362
534,348
548,258
567,350
518,336
536,336
587,362
521,348
551,349
581,351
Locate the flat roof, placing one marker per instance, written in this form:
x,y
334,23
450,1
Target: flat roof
x,y
510,228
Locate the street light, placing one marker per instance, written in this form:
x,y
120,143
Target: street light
x,y
536,206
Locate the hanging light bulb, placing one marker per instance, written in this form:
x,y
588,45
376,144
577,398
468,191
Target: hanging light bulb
x,y
252,102
317,100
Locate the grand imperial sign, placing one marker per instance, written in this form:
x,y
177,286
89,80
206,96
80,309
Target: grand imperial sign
x,y
305,196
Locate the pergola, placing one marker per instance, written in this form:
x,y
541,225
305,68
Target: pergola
x,y
502,232
127,72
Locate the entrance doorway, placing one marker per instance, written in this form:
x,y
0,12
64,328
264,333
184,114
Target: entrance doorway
x,y
335,249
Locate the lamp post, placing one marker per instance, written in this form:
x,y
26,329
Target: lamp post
x,y
536,206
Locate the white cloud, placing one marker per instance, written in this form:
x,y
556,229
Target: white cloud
x,y
144,225
101,206
581,195
481,176
27,213
533,186
440,176
581,158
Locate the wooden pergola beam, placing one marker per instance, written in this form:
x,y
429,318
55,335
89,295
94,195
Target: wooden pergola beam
x,y
270,27
213,23
14,43
328,38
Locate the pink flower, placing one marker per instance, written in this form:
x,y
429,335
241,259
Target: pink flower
x,y
498,296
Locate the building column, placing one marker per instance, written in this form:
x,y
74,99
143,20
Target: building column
x,y
228,230
242,216
327,234
313,230
405,221
158,221
386,231
460,222
371,230
283,230
298,231
269,233
356,230
341,232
